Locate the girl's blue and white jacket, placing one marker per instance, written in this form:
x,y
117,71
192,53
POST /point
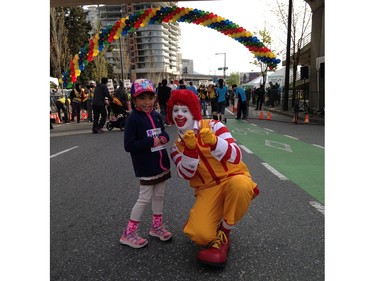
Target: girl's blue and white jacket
x,y
140,130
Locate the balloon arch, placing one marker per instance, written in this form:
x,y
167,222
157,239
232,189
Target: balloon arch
x,y
158,16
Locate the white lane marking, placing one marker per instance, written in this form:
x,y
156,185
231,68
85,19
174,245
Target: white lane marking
x,y
278,145
54,155
255,125
246,149
317,206
322,147
268,130
274,171
290,137
230,112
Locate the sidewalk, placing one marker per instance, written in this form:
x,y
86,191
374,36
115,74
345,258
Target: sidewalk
x,y
313,118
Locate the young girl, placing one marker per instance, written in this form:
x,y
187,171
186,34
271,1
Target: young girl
x,y
145,139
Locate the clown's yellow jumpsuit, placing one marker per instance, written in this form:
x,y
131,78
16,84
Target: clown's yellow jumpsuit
x,y
223,184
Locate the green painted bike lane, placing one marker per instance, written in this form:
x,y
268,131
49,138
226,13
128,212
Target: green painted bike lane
x,y
300,162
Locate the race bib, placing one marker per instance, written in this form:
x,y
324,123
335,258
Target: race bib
x,y
154,133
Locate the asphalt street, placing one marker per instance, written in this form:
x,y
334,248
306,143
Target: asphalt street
x,y
93,189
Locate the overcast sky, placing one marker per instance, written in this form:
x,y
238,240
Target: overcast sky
x,y
200,43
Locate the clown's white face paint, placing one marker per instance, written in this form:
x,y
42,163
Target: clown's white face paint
x,y
183,118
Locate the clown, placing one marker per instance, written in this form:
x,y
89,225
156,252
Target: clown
x,y
206,154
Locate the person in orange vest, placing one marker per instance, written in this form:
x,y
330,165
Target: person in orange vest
x,y
84,98
206,154
76,100
62,105
90,97
212,99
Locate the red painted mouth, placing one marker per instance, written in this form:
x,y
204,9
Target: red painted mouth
x,y
180,122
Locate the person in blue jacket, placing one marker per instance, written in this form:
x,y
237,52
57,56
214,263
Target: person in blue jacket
x,y
221,93
145,139
242,101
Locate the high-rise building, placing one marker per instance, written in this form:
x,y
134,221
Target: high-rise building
x,y
151,52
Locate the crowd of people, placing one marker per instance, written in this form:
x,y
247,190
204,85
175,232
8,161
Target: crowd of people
x,y
214,98
94,102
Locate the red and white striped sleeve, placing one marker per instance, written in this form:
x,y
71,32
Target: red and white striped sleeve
x,y
186,162
226,148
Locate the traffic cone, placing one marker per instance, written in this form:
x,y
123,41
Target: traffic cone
x,y
84,115
57,119
307,120
261,115
269,117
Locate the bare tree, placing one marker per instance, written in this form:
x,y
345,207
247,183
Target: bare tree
x,y
100,67
265,37
301,26
59,50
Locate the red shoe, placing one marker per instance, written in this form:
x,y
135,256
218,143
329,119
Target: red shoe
x,y
216,254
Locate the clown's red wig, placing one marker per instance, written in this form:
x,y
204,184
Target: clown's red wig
x,y
184,97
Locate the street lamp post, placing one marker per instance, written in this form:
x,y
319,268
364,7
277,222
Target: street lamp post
x,y
121,63
287,67
225,62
